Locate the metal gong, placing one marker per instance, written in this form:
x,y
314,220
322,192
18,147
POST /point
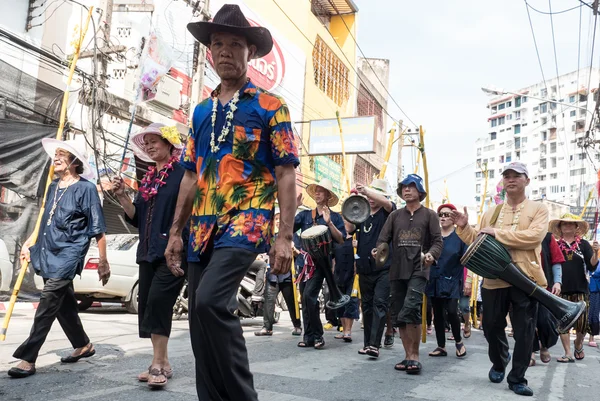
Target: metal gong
x,y
356,209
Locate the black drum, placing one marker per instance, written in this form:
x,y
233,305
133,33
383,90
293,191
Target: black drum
x,y
489,258
317,242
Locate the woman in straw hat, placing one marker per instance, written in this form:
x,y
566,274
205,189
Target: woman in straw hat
x,y
311,278
72,217
152,213
580,258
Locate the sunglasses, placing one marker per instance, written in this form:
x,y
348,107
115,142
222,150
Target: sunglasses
x,y
445,214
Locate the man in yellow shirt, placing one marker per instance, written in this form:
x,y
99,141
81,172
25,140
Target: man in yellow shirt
x,y
520,225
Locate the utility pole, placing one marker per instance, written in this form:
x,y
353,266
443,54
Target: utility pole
x,y
199,60
595,7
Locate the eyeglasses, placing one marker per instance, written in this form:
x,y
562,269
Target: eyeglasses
x,y
445,214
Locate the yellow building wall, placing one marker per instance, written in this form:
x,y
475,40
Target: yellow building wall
x,y
317,100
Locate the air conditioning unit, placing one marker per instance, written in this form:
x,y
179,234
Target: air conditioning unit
x,y
168,94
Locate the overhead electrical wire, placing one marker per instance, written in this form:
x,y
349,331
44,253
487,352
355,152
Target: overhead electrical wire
x,y
550,12
536,46
370,66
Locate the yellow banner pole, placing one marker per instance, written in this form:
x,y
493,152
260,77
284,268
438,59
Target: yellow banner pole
x,y
587,202
388,151
295,289
427,205
59,131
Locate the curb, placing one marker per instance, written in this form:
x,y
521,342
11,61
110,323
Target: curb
x,y
19,305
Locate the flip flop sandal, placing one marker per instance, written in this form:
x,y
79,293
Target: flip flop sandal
x,y
460,346
303,344
579,354
155,373
347,338
339,336
363,351
439,351
319,344
531,362
593,344
401,366
389,340
467,333
373,352
545,356
451,338
143,377
297,331
566,359
413,367
263,332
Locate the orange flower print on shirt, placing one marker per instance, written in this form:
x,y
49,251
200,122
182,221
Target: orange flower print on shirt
x,y
189,155
269,102
283,144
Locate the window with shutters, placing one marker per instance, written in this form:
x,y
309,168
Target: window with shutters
x,y
330,73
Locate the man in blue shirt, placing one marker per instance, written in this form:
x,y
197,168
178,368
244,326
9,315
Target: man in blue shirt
x,y
72,217
240,157
312,278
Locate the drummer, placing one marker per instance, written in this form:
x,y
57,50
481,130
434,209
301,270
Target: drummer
x,y
311,278
520,225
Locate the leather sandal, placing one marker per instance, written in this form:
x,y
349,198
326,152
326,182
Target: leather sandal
x,y
439,351
143,377
401,366
155,373
72,359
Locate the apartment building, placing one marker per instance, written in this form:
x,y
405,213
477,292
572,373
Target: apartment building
x,y
541,125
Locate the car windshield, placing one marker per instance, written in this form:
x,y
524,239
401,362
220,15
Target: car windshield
x,y
117,242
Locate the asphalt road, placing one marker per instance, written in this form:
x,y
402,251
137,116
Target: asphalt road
x,y
282,371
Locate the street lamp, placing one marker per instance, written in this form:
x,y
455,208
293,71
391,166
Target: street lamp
x,y
497,92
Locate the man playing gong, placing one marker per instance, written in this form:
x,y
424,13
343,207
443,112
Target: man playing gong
x,y
520,225
414,231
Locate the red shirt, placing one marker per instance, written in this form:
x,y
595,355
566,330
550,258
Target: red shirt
x,y
556,255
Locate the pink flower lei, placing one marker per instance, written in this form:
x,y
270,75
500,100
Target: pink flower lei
x,y
569,248
153,180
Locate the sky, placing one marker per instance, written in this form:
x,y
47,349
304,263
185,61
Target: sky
x,y
442,52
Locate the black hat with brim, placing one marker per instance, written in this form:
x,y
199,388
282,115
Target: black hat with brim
x,y
231,19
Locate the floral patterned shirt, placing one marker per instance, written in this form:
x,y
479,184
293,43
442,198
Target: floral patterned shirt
x,y
237,188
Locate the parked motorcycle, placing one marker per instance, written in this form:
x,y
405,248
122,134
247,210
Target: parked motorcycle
x,y
181,305
250,308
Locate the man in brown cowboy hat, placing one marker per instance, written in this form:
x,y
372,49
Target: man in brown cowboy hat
x,y
311,278
519,224
240,158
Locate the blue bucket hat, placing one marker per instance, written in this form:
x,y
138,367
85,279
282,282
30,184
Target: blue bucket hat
x,y
413,179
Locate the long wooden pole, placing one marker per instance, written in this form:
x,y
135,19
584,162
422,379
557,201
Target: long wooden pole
x,y
59,132
388,151
484,195
344,172
427,205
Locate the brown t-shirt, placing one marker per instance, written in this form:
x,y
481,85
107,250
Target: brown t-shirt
x,y
411,234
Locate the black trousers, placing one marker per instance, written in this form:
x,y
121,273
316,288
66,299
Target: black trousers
x,y
331,315
222,368
56,302
546,333
273,290
311,315
524,313
375,298
157,293
440,307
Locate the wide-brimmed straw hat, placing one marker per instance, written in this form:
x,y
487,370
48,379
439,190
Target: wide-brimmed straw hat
x,y
73,147
413,179
582,225
381,186
325,183
231,19
169,133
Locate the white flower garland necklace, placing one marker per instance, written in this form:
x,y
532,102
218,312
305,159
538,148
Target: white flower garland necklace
x,y
516,216
228,118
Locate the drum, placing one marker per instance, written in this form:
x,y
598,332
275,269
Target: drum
x,y
490,259
317,242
